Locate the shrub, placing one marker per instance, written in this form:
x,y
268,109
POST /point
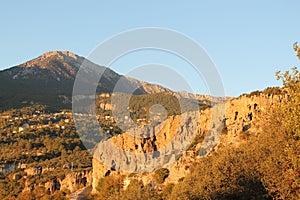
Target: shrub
x,y
109,187
161,174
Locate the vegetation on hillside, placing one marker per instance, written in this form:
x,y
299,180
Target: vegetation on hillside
x,y
266,165
39,138
111,188
37,146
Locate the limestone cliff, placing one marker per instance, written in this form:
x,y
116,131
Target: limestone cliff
x,y
225,122
71,182
243,116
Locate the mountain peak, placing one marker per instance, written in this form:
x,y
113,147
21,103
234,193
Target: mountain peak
x,y
46,58
54,64
63,53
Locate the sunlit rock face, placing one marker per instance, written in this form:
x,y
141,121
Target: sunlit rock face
x,y
225,123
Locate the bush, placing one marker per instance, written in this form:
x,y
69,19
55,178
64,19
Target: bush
x,y
109,187
161,174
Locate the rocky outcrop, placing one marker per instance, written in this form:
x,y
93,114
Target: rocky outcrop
x,y
76,180
243,115
32,171
143,151
72,182
52,186
81,194
224,122
8,167
106,106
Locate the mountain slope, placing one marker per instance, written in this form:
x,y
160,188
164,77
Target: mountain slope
x,y
49,78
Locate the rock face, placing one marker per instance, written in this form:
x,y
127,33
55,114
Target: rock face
x,y
32,171
52,186
75,180
8,167
72,182
144,148
243,115
225,122
136,153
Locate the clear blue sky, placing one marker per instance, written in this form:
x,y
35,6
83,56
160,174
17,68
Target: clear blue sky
x,y
247,40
